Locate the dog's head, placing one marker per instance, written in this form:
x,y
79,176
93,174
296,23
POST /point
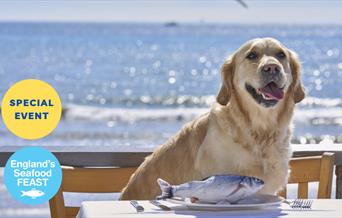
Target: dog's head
x,y
263,70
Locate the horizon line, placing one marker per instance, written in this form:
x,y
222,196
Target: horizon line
x,y
167,22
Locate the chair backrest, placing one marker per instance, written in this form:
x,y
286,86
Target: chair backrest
x,y
87,180
312,169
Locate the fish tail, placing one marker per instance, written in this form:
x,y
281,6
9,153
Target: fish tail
x,y
166,189
22,193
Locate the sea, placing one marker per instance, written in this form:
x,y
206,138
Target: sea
x,y
133,85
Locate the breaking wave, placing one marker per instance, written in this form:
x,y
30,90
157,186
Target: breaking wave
x,y
312,111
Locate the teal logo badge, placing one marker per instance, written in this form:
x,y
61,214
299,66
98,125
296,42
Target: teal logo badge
x,y
32,175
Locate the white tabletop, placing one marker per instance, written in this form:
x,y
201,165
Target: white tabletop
x,y
107,209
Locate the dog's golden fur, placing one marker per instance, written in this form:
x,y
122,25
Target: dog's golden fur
x,y
237,136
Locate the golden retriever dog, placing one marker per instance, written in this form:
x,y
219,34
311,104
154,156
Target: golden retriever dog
x,y
246,132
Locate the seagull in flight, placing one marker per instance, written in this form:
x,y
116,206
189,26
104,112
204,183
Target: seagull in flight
x,y
242,3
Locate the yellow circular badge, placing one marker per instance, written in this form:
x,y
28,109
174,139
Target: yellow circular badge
x,y
31,109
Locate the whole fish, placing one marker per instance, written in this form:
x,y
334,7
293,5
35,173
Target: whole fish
x,y
221,189
33,193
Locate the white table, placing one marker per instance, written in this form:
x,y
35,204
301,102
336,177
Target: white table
x,y
321,208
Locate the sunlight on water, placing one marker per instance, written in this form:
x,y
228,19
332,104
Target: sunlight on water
x,y
134,85
107,73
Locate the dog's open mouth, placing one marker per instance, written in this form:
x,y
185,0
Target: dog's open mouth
x,y
267,96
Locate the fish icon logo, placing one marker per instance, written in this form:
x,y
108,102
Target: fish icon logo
x,y
33,193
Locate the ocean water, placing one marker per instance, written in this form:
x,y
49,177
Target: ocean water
x,y
135,85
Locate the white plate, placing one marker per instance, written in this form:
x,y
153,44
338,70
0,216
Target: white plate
x,y
251,202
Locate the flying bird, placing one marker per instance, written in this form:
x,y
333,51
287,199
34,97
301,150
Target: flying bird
x,y
242,3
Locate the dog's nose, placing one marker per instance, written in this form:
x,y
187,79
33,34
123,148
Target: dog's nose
x,y
271,68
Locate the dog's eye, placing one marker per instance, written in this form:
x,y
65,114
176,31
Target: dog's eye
x,y
281,55
252,55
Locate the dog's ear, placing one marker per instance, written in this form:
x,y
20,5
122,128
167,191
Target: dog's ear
x,y
227,72
298,88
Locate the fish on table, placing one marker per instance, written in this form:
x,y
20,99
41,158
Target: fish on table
x,y
219,189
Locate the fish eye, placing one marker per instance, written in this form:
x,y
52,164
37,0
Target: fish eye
x,y
257,179
252,55
281,55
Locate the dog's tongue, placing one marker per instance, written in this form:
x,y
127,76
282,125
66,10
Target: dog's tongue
x,y
272,91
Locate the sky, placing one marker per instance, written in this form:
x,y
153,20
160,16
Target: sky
x,y
187,11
